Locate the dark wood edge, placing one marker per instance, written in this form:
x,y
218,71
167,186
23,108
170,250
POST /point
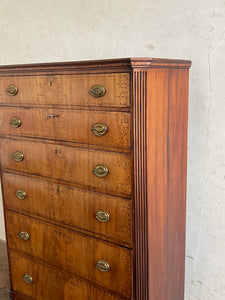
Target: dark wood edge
x,y
140,184
16,296
6,233
160,63
109,65
120,109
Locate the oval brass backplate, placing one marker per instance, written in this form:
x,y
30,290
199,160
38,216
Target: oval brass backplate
x,y
97,91
99,129
23,235
102,266
102,216
101,171
18,156
27,278
21,194
12,90
15,122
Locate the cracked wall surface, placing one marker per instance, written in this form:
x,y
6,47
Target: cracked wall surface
x,y
47,30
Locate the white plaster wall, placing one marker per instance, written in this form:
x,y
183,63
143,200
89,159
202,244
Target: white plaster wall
x,y
57,30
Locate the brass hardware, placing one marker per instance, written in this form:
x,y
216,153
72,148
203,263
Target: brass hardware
x,y
21,194
101,171
18,156
12,90
102,216
97,91
102,266
15,122
27,278
99,129
23,235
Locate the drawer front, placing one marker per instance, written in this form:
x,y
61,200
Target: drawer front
x,y
49,283
73,90
72,252
110,129
69,164
106,216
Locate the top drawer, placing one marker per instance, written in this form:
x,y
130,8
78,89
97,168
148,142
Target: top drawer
x,y
110,90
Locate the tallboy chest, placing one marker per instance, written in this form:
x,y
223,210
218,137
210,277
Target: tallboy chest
x,y
93,168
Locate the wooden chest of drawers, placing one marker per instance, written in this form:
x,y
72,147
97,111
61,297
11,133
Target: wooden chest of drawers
x,y
93,171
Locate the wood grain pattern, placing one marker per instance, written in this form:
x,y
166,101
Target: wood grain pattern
x,y
16,296
70,206
72,252
157,127
166,160
70,90
147,166
50,283
68,125
69,164
177,162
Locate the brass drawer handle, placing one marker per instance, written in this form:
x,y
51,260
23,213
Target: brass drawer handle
x,y
97,91
15,122
23,235
21,194
18,156
102,266
101,171
12,90
99,129
102,216
27,278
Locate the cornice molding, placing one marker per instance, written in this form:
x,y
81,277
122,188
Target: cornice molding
x,y
95,66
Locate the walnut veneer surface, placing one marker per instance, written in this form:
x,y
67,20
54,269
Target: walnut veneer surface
x,y
93,169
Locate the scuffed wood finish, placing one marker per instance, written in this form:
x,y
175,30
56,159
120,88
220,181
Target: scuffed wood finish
x,y
166,182
68,125
70,90
69,164
50,283
70,206
72,252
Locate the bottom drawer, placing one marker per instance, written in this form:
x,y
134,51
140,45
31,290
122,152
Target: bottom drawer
x,y
49,283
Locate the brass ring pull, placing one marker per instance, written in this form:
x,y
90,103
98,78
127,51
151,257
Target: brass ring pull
x,y
23,235
102,266
101,171
21,194
18,156
97,91
102,216
27,278
12,90
99,129
15,122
